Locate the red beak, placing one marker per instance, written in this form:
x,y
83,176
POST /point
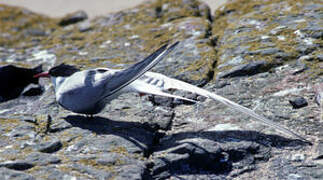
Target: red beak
x,y
43,74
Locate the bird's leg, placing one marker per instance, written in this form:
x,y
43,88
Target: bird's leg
x,y
140,96
197,107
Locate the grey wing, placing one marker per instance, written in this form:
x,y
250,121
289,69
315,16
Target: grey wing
x,y
118,80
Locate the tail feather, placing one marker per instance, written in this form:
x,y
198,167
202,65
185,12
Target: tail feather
x,y
171,83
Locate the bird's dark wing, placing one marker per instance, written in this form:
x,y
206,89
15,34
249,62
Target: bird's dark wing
x,y
118,80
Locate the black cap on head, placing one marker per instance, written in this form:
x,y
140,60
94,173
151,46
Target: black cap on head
x,y
63,70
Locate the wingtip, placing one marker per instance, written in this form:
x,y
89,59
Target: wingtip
x,y
174,45
304,140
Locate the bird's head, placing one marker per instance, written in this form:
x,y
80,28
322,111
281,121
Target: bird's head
x,y
62,70
58,74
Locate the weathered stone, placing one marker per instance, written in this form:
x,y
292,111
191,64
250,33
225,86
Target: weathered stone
x,y
42,159
92,172
36,32
319,151
276,38
268,51
245,69
298,102
56,172
49,147
163,166
8,174
159,118
319,94
85,26
73,18
16,165
114,136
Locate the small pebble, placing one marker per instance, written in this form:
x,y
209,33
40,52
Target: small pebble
x,y
298,102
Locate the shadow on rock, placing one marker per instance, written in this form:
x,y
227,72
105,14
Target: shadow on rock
x,y
217,153
190,153
237,136
134,132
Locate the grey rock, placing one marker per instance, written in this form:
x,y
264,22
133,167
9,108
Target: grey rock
x,y
245,69
133,171
130,137
298,157
306,58
109,159
159,118
22,130
316,172
42,159
165,166
73,18
298,102
319,94
319,151
36,32
320,57
294,177
52,172
94,173
61,125
262,38
8,174
268,51
31,105
234,61
304,49
120,166
109,143
194,154
49,147
17,165
85,26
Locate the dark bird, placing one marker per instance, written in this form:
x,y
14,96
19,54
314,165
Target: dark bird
x,y
14,79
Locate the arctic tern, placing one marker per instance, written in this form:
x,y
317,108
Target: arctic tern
x,y
88,91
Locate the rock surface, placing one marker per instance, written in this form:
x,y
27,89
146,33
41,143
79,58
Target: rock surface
x,y
260,54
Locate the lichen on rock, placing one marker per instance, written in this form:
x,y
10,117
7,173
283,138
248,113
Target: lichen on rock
x,y
277,32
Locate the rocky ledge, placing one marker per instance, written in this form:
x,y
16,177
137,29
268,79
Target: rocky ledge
x,y
265,55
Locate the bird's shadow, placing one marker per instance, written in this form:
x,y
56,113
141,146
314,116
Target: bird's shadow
x,y
150,141
101,125
135,132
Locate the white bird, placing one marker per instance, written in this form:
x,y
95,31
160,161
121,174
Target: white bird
x,y
88,91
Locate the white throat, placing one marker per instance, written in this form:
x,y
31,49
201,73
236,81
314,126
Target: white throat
x,y
57,81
